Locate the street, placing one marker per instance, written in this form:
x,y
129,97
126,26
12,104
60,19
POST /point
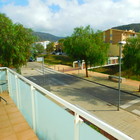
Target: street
x,y
82,92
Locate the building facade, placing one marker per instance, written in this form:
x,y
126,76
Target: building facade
x,y
43,43
113,36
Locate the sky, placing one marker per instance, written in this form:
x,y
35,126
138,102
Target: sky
x,y
60,17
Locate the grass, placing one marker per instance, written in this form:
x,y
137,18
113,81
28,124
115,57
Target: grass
x,y
58,59
113,70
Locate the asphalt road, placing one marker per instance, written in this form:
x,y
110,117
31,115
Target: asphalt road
x,y
82,90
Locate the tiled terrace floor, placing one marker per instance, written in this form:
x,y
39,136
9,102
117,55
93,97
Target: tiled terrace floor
x,y
13,126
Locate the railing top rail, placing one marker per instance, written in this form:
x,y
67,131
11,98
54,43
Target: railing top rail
x,y
99,123
3,67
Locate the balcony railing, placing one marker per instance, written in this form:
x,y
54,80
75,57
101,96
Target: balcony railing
x,y
51,117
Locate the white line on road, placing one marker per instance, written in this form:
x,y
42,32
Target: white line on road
x,y
53,79
59,82
32,78
53,72
41,72
136,111
130,103
46,71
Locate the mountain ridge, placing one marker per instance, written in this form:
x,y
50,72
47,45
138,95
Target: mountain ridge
x,y
41,36
134,26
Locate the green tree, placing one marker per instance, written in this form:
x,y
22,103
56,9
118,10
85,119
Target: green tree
x,y
86,45
60,45
131,54
50,47
39,48
15,43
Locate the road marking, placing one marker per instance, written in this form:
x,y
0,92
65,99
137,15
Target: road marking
x,y
130,103
53,72
45,71
39,71
136,111
32,78
48,71
59,82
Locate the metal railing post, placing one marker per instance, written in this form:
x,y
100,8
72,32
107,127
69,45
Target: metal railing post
x,y
77,123
33,108
17,92
9,81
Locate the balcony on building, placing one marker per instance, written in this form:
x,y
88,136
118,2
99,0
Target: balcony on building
x,y
48,116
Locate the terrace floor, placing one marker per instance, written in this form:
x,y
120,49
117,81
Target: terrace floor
x,y
13,126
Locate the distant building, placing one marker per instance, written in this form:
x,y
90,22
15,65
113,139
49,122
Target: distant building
x,y
56,45
43,43
113,36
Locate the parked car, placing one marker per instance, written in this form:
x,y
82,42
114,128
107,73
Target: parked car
x,y
31,59
57,53
53,52
60,53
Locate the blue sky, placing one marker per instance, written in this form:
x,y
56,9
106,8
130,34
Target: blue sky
x,y
25,2
59,17
16,2
54,8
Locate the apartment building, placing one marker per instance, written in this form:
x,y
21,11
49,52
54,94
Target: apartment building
x,y
113,36
43,43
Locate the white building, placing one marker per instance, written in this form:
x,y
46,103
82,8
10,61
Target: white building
x,y
43,43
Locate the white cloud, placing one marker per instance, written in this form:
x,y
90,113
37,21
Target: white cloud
x,y
100,14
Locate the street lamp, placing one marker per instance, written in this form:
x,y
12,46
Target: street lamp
x,y
121,43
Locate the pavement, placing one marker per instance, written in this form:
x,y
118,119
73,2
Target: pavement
x,y
127,122
127,85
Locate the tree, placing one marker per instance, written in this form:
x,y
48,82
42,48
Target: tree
x,y
50,47
15,43
60,45
39,48
131,52
86,45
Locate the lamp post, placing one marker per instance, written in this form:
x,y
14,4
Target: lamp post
x,y
121,43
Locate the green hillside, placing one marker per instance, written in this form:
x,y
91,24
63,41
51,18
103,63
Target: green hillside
x,y
46,36
135,27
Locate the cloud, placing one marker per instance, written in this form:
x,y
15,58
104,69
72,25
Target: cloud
x,y
59,17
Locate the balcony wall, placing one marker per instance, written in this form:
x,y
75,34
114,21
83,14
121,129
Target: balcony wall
x,y
51,117
3,81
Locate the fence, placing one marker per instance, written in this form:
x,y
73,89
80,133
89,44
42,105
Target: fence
x,y
47,114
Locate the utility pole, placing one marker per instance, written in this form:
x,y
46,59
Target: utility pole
x,y
121,43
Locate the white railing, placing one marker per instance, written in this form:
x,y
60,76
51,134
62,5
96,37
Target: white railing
x,y
110,62
50,120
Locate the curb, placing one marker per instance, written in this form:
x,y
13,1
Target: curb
x,y
105,85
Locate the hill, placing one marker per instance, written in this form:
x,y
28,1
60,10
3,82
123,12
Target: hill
x,y
135,27
46,36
